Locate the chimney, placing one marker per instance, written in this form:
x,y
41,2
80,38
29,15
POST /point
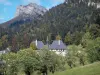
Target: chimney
x,y
36,42
58,42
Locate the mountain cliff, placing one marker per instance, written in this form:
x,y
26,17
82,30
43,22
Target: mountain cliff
x,y
30,11
25,14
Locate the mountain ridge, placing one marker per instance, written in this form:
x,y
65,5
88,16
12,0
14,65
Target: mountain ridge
x,y
26,13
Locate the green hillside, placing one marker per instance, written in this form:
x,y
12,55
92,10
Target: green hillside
x,y
92,69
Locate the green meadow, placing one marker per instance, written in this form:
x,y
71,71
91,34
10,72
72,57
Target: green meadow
x,y
91,69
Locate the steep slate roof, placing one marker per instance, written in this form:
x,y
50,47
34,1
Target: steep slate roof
x,y
57,45
40,45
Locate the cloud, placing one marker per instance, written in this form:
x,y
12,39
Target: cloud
x,y
5,2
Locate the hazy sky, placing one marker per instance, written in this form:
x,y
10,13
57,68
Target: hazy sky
x,y
8,7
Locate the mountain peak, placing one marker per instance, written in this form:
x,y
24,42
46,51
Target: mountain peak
x,y
30,9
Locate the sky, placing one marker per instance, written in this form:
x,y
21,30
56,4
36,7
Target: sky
x,y
8,7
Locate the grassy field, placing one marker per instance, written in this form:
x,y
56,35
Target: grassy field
x,y
91,69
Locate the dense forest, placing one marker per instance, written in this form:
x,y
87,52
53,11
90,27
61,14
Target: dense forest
x,y
71,20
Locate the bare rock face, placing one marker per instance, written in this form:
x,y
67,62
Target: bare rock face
x,y
31,10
